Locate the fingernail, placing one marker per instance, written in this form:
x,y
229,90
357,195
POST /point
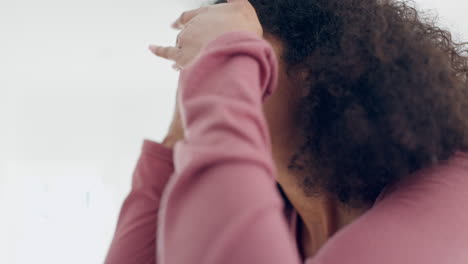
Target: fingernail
x,y
177,26
175,67
153,48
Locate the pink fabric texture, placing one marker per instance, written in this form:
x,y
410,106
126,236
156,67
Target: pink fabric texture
x,y
213,198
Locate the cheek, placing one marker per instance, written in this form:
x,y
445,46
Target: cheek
x,y
279,108
273,113
280,113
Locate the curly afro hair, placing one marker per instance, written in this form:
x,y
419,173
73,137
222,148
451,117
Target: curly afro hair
x,y
387,91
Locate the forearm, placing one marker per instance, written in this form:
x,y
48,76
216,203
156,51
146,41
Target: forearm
x,y
221,205
135,236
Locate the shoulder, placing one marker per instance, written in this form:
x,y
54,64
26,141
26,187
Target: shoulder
x,y
419,220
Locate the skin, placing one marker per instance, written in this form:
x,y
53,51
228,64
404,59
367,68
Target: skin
x,y
319,216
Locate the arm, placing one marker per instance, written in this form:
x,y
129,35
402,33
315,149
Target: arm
x,y
221,205
134,239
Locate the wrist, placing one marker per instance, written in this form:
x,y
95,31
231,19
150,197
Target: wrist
x,y
169,142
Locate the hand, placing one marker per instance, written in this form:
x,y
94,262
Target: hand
x,y
202,25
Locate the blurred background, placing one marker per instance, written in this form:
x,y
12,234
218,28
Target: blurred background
x,y
79,91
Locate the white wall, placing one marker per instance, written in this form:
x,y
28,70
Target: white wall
x,y
78,93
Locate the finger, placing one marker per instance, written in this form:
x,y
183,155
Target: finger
x,y
176,67
186,17
169,53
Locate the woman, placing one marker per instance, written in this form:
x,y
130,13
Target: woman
x,y
356,108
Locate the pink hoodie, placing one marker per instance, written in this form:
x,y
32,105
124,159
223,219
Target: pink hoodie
x,y
213,198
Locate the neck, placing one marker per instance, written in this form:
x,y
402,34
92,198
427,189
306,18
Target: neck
x,y
319,216
319,219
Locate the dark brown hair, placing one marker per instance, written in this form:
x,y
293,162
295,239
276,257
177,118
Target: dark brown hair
x,y
387,91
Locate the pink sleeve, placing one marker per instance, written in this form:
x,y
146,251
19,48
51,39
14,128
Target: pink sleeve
x,y
422,220
135,235
221,205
